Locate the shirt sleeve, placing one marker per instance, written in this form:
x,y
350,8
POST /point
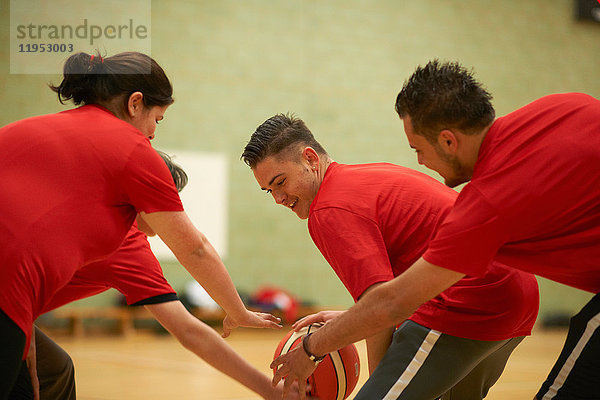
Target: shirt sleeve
x,y
469,238
354,247
148,182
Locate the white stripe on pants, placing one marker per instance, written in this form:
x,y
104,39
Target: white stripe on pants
x,y
412,369
563,374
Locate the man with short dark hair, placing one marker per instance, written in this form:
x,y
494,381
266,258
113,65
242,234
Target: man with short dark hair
x,y
533,202
371,222
533,199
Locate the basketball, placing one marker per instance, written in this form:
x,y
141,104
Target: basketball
x,y
336,376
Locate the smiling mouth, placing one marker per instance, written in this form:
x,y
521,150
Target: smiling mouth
x,y
293,203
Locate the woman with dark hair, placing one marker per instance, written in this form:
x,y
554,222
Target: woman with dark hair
x,y
135,272
72,184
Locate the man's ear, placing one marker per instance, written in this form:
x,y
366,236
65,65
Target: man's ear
x,y
448,141
311,156
135,103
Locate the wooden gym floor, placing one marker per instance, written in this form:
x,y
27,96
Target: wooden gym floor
x,y
155,367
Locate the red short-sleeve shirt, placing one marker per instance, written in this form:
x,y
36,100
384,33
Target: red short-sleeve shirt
x,y
534,199
71,184
373,221
133,270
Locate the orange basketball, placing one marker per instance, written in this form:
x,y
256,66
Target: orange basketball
x,y
336,376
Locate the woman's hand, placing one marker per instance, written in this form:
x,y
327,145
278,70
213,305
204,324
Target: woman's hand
x,y
250,319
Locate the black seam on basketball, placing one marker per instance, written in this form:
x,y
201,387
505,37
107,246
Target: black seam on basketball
x,y
337,386
346,394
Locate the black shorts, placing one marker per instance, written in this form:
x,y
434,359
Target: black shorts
x,y
576,374
11,354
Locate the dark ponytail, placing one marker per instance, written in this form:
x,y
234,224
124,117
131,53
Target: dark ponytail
x,y
92,79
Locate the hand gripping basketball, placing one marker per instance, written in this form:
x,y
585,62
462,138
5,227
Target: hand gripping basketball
x,y
334,378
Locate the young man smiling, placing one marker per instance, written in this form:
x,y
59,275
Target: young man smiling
x,y
371,222
532,202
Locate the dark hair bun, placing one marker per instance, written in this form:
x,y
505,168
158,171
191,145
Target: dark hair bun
x,y
92,79
80,79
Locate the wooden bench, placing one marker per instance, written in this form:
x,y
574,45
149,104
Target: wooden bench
x,y
124,316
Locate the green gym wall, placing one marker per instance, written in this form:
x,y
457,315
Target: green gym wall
x,y
337,64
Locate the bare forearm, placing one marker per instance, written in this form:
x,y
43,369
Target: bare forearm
x,y
385,306
203,341
209,346
365,319
196,254
205,265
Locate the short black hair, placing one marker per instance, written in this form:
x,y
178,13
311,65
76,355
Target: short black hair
x,y
277,134
444,95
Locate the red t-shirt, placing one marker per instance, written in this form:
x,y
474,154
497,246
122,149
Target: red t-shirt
x,y
71,185
534,199
133,270
371,222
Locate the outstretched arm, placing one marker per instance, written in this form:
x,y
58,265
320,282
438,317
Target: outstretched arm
x,y
203,341
377,344
385,306
196,254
